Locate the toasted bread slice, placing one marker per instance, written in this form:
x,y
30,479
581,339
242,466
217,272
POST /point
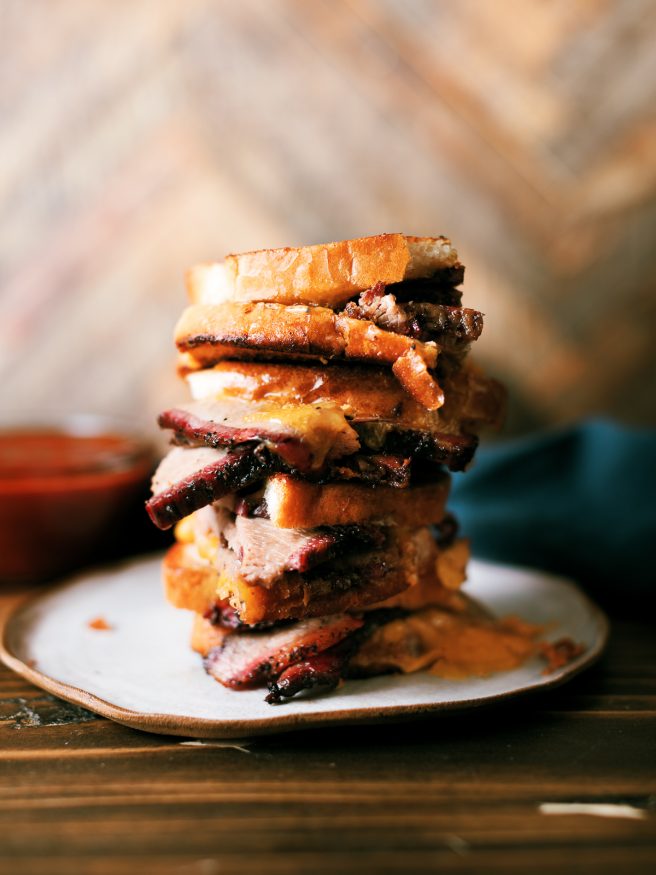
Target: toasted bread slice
x,y
190,582
291,503
482,401
326,274
211,333
205,636
359,392
194,584
363,394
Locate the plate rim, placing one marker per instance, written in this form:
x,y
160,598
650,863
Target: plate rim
x,y
206,727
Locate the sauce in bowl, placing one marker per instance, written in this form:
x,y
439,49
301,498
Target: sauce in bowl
x,y
64,494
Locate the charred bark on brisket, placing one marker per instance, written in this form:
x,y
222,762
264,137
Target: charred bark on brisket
x,y
235,471
328,543
225,616
381,469
324,671
451,327
454,328
445,532
191,430
250,660
438,289
454,451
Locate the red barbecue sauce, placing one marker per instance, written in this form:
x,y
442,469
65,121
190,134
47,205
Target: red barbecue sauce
x,y
60,495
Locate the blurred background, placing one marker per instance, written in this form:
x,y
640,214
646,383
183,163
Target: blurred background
x,y
140,137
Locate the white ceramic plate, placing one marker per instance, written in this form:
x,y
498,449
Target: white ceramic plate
x,y
142,672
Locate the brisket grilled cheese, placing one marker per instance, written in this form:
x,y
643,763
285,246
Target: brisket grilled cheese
x,y
309,474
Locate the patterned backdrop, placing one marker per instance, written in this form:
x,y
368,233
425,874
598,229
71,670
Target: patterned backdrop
x,y
138,137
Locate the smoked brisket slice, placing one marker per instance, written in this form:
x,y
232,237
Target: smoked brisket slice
x,y
303,436
266,552
438,289
389,461
324,670
455,451
252,658
327,669
383,469
452,327
188,479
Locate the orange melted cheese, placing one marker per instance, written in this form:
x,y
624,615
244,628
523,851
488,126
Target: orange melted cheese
x,y
324,430
449,645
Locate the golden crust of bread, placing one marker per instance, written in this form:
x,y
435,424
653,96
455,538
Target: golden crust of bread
x,y
428,255
189,581
410,370
271,327
293,503
326,274
361,393
205,636
209,333
313,331
195,585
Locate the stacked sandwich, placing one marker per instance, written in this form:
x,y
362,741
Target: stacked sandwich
x,y
309,475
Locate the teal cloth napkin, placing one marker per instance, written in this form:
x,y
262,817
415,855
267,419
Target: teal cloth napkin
x,y
579,501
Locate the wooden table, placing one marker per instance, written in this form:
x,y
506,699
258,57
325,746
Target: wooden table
x,y
458,793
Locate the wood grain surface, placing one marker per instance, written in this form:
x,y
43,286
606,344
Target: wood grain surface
x,y
138,138
459,793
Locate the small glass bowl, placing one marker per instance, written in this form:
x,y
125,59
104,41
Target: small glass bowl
x,y
70,489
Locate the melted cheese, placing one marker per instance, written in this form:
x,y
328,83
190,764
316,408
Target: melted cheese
x,y
451,564
324,430
191,530
449,645
184,531
481,650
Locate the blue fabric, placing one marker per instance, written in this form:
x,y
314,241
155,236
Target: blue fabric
x,y
580,502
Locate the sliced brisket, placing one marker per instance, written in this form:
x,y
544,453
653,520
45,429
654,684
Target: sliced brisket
x,y
324,670
252,658
188,479
439,289
381,469
222,614
302,436
455,451
265,552
452,327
